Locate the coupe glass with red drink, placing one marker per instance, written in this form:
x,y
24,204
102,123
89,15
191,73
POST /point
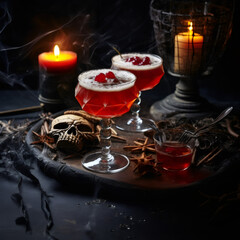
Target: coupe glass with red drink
x,y
148,68
106,93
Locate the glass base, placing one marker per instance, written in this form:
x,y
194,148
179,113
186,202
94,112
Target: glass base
x,y
93,162
133,125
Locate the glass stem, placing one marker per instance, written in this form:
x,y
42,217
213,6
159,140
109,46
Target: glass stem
x,y
105,135
135,109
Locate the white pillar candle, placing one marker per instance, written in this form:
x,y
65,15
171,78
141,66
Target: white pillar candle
x,y
187,52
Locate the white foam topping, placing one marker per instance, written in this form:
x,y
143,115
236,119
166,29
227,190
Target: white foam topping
x,y
125,80
120,61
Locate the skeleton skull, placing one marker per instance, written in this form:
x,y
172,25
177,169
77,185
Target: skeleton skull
x,y
72,132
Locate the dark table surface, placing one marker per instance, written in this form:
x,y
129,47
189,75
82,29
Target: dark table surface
x,y
36,206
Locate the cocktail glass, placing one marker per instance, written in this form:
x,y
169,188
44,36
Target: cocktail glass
x,y
106,93
148,68
172,154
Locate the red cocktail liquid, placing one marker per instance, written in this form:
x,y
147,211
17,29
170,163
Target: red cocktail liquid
x,y
148,72
174,155
105,97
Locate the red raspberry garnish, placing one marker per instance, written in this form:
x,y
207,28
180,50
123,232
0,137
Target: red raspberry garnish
x,y
134,60
130,59
138,61
110,75
101,78
145,61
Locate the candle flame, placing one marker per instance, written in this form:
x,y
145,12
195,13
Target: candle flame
x,y
56,51
190,28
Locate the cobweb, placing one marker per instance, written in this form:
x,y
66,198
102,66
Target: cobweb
x,y
17,162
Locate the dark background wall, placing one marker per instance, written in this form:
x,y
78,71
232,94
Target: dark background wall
x,y
91,28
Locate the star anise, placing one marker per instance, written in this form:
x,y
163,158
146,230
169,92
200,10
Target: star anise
x,y
143,159
145,164
44,139
141,145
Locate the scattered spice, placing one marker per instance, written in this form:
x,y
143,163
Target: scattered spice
x,y
44,139
145,163
211,146
141,145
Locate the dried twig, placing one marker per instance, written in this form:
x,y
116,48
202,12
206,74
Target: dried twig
x,y
230,130
22,110
212,154
118,138
194,155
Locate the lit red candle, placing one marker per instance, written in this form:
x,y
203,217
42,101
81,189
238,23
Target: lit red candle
x,y
57,78
57,61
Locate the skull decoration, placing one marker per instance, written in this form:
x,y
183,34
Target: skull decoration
x,y
73,132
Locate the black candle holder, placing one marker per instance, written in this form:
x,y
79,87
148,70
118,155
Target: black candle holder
x,y
191,37
57,89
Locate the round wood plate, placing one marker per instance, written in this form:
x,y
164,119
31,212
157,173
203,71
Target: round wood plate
x,y
71,170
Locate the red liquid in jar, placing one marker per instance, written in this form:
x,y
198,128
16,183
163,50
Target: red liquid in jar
x,y
174,155
148,76
103,99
